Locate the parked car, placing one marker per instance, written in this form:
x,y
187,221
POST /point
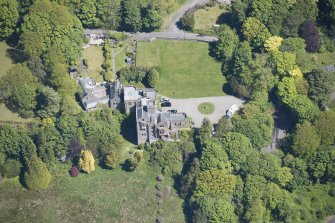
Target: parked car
x,y
165,99
166,104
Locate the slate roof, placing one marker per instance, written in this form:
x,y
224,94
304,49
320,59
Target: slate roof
x,y
330,68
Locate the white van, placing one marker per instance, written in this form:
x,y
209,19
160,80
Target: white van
x,y
234,108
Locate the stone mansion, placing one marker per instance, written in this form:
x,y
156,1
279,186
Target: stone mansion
x,y
151,123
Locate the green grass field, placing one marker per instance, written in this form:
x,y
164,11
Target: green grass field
x,y
8,116
94,56
102,196
309,61
186,70
206,18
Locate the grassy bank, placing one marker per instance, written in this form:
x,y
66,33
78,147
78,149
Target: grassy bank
x,y
102,196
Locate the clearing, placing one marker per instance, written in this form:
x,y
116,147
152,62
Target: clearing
x,y
309,61
95,59
5,62
207,17
186,70
102,196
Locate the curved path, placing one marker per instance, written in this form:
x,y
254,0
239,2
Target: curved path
x,y
172,27
172,31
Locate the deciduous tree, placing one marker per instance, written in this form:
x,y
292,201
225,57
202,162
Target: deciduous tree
x,y
18,87
225,46
273,43
47,24
309,32
9,17
109,13
255,32
86,11
321,85
131,15
213,156
239,150
261,10
48,102
325,127
214,182
214,209
152,20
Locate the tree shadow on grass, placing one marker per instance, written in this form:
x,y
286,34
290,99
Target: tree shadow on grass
x,y
17,56
211,51
224,18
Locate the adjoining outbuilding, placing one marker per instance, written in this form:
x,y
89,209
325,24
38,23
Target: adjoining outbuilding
x,y
151,124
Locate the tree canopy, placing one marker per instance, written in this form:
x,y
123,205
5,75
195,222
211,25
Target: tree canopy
x,y
48,24
9,17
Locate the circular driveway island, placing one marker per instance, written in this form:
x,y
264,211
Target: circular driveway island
x,y
206,108
190,107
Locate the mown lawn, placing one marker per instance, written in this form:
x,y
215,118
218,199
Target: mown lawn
x,y
120,58
186,70
102,196
6,115
94,56
206,18
309,61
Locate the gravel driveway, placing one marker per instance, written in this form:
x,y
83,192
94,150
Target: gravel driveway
x,y
190,107
172,31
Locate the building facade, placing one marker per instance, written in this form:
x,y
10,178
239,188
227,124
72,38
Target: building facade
x,y
151,124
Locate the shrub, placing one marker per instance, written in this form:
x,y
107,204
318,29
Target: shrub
x,y
86,40
86,161
74,172
187,21
12,168
332,191
37,176
112,160
118,36
152,77
130,164
85,62
210,3
320,214
133,162
132,74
